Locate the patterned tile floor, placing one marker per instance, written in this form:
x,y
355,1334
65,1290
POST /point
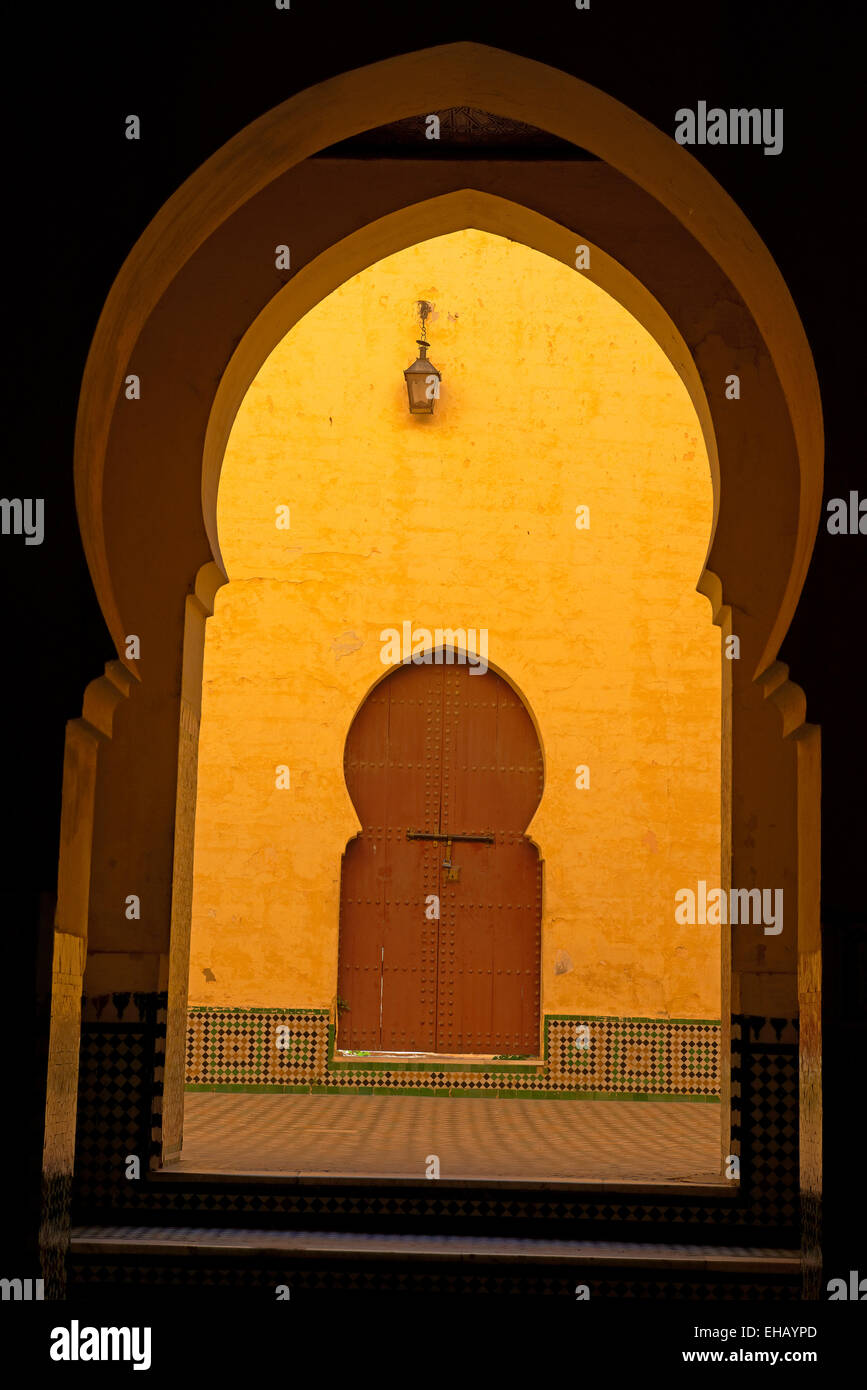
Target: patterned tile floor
x,y
391,1136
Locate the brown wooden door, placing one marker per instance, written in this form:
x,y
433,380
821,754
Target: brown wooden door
x,y
437,751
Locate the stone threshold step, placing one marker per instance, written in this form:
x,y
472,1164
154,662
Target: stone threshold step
x,y
190,1174
188,1241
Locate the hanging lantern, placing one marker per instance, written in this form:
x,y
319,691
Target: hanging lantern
x,y
422,378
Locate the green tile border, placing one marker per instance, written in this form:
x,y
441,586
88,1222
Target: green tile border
x,y
226,1088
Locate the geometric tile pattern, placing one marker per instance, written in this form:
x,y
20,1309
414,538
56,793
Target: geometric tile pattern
x,y
765,1069
114,1110
585,1057
637,1056
119,1094
250,1047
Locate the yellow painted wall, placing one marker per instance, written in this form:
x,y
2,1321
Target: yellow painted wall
x,y
553,396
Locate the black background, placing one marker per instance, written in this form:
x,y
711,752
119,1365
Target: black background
x,y
79,196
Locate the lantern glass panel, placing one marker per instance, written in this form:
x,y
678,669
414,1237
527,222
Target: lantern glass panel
x,y
422,383
415,384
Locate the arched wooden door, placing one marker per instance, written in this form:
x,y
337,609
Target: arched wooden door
x,y
441,893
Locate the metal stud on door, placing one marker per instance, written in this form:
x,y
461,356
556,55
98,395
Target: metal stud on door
x,y
388,945
490,928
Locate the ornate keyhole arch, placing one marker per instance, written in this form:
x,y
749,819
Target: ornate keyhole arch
x,y
418,971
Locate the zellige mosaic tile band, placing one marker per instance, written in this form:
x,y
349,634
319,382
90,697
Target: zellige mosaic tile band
x,y
293,1049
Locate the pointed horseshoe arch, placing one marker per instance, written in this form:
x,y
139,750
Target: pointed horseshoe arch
x,y
454,74
203,272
